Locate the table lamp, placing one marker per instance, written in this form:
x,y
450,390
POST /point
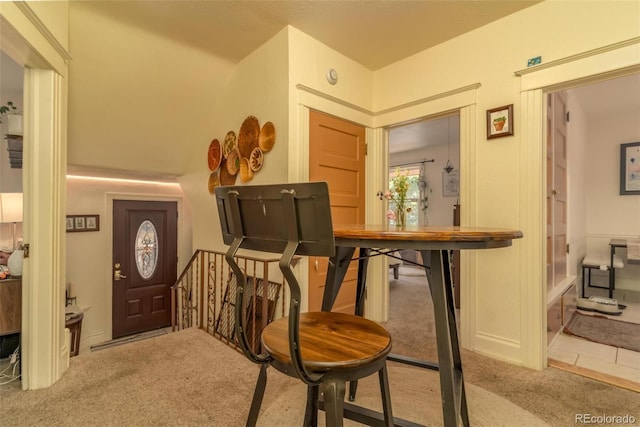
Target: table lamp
x,y
11,212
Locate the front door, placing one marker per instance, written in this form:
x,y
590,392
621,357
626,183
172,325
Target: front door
x,y
337,155
144,264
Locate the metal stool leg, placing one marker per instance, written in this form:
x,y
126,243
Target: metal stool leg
x,y
258,394
311,413
333,391
386,397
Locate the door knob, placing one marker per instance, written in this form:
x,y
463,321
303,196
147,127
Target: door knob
x,y
117,273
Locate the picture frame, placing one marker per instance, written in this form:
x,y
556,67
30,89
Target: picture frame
x,y
93,222
451,183
76,223
630,168
500,122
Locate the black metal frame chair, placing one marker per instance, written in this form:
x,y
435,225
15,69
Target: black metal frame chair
x,y
295,219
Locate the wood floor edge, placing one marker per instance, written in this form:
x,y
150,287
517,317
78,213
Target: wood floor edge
x,y
594,375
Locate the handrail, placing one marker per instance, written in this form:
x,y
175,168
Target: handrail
x,y
204,295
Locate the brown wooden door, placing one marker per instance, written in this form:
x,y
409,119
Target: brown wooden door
x,y
144,264
337,155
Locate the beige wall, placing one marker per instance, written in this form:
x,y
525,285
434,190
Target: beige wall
x,y
490,56
258,87
609,214
164,108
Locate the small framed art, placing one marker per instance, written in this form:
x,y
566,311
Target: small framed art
x,y
83,223
500,122
630,168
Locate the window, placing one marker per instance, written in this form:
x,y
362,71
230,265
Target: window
x,y
146,249
413,195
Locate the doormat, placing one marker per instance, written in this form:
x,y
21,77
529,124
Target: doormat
x,y
605,331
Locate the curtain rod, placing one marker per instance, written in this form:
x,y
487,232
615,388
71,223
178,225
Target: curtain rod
x,y
414,163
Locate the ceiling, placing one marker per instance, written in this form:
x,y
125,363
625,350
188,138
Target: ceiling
x,y
374,33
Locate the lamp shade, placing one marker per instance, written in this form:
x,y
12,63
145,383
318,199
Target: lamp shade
x,y
10,207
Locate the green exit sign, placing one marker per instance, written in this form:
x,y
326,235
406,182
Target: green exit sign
x,y
534,61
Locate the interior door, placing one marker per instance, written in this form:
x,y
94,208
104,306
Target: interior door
x,y
144,264
337,155
556,189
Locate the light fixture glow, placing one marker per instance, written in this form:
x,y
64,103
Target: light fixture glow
x,y
121,180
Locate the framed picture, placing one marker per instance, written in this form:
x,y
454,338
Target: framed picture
x,y
451,183
500,122
78,223
83,223
93,222
630,168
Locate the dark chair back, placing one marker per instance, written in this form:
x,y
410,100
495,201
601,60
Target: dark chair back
x,y
288,219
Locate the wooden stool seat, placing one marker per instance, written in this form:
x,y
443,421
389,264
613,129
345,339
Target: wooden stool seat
x,y
327,342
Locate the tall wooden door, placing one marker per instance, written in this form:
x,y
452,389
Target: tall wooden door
x,y
337,155
144,264
557,207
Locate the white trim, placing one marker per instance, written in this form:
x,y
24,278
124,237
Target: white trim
x,y
609,61
377,297
44,349
43,30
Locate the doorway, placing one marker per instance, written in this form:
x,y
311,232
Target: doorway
x,y
144,265
602,116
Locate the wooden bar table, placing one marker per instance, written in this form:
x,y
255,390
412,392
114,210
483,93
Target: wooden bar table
x,y
434,244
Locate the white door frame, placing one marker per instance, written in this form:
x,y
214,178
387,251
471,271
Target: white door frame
x,y
600,64
44,342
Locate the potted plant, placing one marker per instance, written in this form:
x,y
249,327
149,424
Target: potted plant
x,y
14,120
498,123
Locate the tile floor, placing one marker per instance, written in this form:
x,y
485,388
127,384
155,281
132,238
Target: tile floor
x,y
617,362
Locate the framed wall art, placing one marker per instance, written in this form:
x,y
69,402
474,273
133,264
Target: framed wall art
x,y
450,183
630,168
500,122
83,223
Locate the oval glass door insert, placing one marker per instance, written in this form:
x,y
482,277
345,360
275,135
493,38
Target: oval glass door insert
x,y
146,249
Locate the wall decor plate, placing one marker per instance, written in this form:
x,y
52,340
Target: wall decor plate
x,y
230,143
246,174
267,138
214,155
233,162
256,160
225,177
248,136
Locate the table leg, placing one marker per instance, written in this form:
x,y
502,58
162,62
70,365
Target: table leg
x,y
338,265
454,404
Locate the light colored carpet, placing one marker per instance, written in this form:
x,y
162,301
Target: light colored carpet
x,y
415,396
189,378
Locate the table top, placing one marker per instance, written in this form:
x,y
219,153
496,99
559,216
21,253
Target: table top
x,y
423,237
618,243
